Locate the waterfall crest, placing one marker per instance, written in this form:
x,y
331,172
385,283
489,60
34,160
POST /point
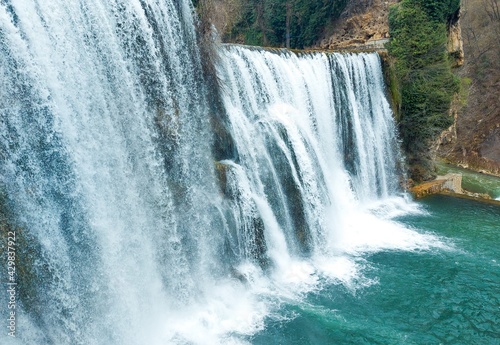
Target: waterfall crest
x,y
315,135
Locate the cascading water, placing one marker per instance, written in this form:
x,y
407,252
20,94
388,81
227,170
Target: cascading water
x,y
316,138
127,232
106,162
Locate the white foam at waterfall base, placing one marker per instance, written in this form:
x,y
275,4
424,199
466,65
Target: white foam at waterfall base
x,y
350,214
367,232
235,310
226,315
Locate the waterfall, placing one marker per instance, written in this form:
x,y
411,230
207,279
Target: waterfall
x,y
106,162
129,231
315,136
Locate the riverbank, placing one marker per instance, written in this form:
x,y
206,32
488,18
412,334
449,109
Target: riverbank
x,y
461,183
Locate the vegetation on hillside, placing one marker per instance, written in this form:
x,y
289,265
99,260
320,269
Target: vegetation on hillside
x,y
278,23
423,71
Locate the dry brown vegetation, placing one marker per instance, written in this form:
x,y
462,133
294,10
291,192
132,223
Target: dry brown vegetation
x,y
223,14
477,142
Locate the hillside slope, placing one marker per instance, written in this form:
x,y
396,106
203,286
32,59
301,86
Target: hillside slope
x,y
474,140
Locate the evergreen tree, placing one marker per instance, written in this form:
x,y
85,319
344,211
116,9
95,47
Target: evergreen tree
x,y
423,69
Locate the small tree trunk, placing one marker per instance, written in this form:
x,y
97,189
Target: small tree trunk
x,y
288,16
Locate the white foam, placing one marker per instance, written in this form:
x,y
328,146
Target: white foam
x,y
367,232
339,269
226,315
393,207
234,310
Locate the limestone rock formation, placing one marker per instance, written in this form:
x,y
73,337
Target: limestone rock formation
x,y
452,182
363,22
455,42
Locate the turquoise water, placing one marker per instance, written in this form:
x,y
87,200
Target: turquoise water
x,y
438,296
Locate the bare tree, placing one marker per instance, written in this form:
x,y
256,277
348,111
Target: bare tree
x,y
492,10
288,18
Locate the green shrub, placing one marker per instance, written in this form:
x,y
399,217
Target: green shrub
x,y
423,69
438,10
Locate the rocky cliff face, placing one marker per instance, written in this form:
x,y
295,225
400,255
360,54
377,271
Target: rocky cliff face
x,y
455,40
361,23
474,139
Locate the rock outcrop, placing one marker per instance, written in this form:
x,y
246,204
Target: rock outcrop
x,y
455,43
363,22
450,184
427,188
